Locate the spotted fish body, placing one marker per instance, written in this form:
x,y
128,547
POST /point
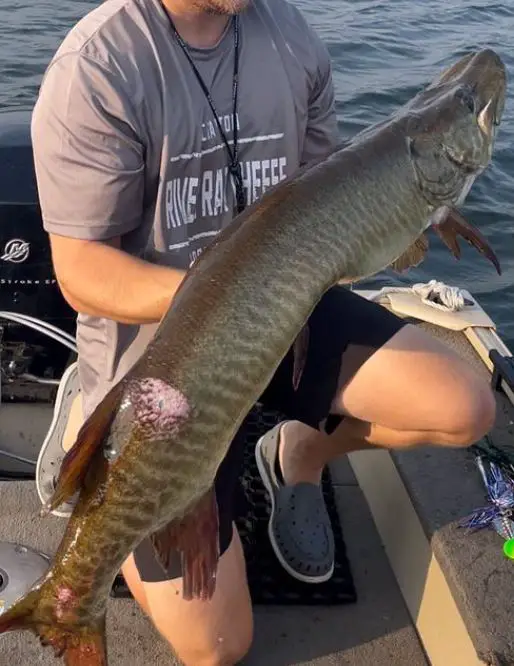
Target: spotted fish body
x,y
146,459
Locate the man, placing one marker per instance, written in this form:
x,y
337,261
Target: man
x,y
135,135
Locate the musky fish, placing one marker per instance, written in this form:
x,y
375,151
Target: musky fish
x,y
145,460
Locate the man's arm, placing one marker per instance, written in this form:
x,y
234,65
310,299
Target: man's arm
x,y
99,279
90,173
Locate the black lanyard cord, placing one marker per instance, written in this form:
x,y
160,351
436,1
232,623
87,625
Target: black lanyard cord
x,y
234,164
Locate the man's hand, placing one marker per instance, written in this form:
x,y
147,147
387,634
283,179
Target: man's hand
x,y
99,279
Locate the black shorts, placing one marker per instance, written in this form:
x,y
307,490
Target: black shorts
x,y
344,331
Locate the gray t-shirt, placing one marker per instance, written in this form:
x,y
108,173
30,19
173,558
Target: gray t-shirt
x,y
125,143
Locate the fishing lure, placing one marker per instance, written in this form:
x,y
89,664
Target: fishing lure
x,y
498,480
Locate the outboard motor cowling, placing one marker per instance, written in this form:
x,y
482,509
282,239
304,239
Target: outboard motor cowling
x,y
27,281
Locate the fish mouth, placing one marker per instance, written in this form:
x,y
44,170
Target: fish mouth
x,y
479,81
487,118
484,73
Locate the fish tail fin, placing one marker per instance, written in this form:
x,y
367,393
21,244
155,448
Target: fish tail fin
x,y
21,615
88,649
80,646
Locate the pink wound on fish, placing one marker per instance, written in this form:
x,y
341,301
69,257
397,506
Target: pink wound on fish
x,y
66,603
157,405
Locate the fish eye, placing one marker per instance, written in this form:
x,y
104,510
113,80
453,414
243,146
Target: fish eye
x,y
466,97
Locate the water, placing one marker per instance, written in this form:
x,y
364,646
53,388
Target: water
x,y
383,52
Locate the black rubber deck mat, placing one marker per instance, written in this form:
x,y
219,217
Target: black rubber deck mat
x,y
269,583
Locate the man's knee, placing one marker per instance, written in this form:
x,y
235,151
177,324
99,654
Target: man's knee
x,y
472,413
228,651
214,633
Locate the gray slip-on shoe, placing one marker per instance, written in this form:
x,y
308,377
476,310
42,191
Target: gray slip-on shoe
x,y
299,527
52,452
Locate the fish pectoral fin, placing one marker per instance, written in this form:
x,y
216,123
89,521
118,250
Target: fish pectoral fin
x,y
449,238
91,436
413,256
300,349
195,537
455,224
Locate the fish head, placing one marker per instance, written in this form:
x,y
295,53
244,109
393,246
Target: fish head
x,y
451,126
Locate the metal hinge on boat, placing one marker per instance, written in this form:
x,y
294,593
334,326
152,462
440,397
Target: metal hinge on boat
x,y
503,370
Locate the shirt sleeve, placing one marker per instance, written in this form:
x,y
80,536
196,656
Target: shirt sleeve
x,y
88,159
322,134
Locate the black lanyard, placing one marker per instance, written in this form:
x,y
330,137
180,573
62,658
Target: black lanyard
x,y
234,164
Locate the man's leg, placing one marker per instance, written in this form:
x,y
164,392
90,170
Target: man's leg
x,y
217,632
393,386
412,391
214,633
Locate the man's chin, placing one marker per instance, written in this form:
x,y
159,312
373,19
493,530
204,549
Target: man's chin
x,y
224,7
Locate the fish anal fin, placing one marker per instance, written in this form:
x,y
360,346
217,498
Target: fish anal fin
x,y
300,349
455,224
196,538
91,436
412,256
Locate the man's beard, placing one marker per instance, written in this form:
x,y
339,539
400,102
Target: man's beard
x,y
222,7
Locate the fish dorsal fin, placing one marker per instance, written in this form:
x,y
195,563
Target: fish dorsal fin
x,y
413,256
195,537
91,435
